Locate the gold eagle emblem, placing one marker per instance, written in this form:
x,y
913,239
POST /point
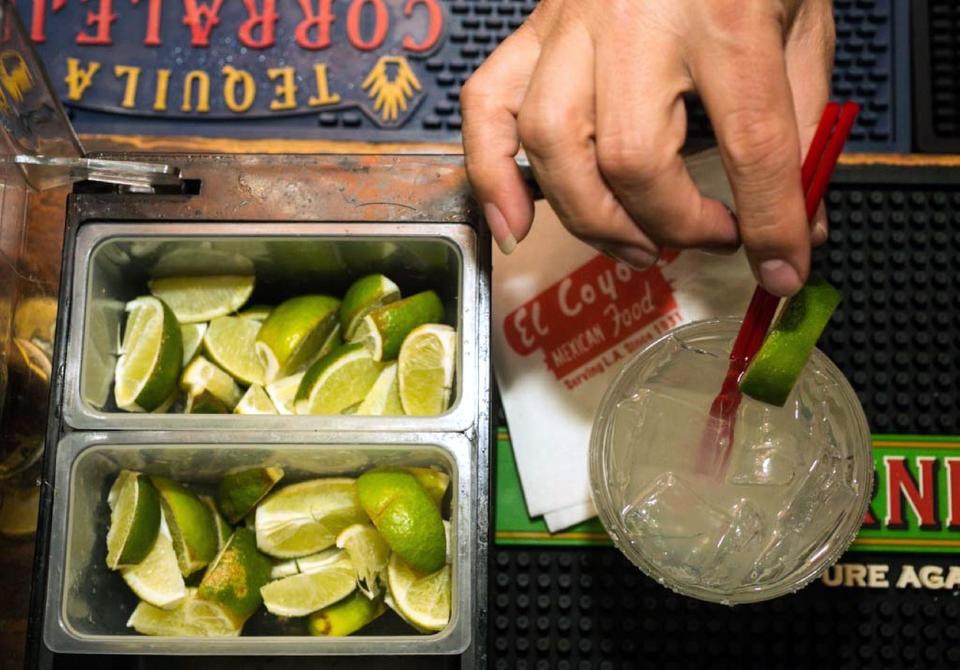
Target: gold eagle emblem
x,y
391,84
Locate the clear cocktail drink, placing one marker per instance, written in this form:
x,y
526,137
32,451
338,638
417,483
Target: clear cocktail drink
x,y
761,520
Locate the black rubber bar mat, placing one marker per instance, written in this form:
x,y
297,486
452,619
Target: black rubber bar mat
x,y
894,252
936,75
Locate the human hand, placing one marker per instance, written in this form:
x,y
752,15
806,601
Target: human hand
x,y
593,91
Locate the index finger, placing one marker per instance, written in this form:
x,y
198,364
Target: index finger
x,y
742,78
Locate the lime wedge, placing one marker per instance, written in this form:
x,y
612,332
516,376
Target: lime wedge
x,y
151,354
294,333
778,364
256,313
255,401
434,482
363,296
369,554
427,364
240,491
345,617
337,381
196,299
383,398
233,581
422,599
188,618
406,516
283,393
134,519
302,519
204,402
192,526
384,329
157,579
224,530
202,375
197,261
304,593
230,343
192,336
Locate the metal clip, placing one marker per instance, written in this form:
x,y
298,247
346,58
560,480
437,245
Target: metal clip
x,y
45,172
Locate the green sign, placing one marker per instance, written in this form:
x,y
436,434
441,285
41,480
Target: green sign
x,y
915,505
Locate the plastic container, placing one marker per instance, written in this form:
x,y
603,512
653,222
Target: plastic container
x,y
113,262
87,605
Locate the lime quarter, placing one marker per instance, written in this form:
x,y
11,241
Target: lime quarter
x,y
240,491
197,299
230,343
422,599
346,616
384,329
192,526
304,593
294,333
134,519
337,381
365,295
233,581
426,368
151,355
157,579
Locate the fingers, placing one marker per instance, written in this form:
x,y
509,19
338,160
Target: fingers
x,y
641,128
556,125
490,101
742,77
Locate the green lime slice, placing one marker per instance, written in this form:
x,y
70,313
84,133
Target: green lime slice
x,y
255,401
192,335
150,359
200,261
434,482
383,398
233,581
340,379
304,518
778,364
283,393
363,296
294,333
196,299
224,530
240,491
345,617
308,592
157,578
256,313
426,368
134,519
192,526
384,329
422,599
406,516
203,376
188,618
230,343
204,402
369,554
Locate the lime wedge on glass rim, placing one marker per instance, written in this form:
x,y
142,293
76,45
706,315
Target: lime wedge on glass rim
x,y
384,329
150,359
337,381
134,519
426,368
363,296
781,358
230,343
293,334
196,299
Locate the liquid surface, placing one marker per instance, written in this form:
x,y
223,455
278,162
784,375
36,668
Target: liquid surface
x,y
771,510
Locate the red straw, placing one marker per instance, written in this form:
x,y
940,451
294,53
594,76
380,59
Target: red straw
x,y
821,160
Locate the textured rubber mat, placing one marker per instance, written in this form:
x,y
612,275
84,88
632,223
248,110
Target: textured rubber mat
x,y
894,252
872,67
936,73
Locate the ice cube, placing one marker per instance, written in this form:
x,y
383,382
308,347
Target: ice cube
x,y
691,540
687,367
764,454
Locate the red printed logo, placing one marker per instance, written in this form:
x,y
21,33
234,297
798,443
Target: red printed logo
x,y
598,306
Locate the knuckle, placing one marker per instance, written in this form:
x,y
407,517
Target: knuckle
x,y
476,93
632,160
543,128
758,146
